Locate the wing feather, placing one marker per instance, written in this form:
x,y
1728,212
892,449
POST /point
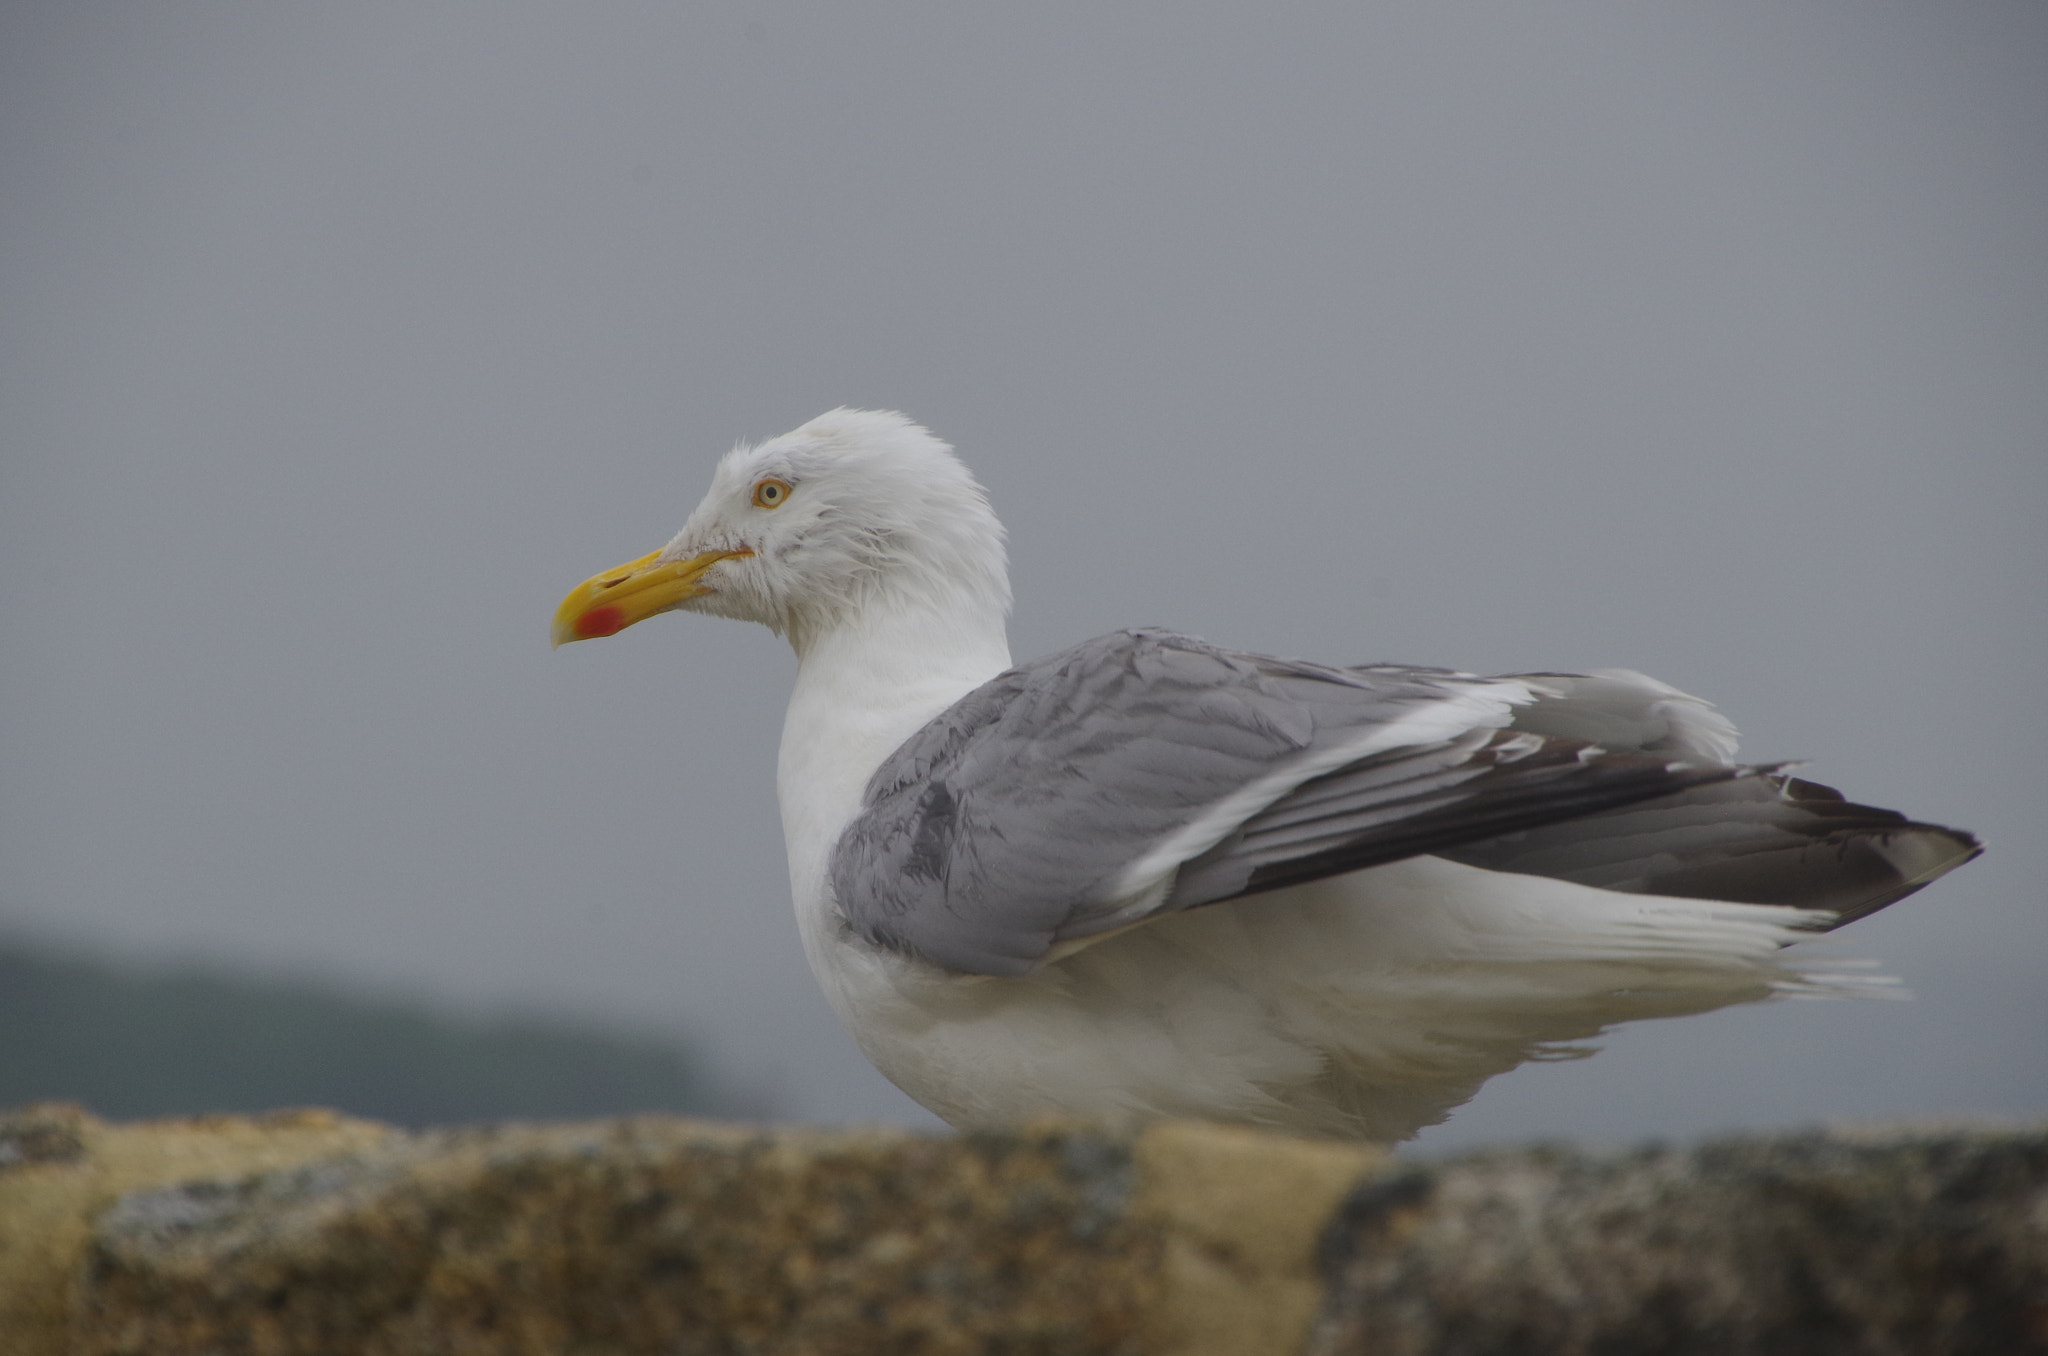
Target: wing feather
x,y
1147,771
1768,840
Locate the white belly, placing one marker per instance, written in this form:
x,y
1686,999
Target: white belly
x,y
1365,1005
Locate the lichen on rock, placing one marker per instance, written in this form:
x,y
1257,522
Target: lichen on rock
x,y
639,1236
1794,1245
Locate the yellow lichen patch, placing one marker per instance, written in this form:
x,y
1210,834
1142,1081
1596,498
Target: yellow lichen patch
x,y
1240,1212
60,1166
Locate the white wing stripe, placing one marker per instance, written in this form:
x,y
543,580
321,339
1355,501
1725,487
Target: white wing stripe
x,y
1482,706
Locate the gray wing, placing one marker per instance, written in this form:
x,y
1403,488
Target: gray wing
x,y
1772,839
1146,771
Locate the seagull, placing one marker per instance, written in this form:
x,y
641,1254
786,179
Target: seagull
x,y
1150,877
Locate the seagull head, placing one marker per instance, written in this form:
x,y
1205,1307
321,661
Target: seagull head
x,y
856,513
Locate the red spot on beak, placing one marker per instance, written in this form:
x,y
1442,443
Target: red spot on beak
x,y
601,621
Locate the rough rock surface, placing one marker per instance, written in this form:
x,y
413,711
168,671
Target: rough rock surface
x,y
306,1233
60,1167
638,1236
1929,1244
668,1236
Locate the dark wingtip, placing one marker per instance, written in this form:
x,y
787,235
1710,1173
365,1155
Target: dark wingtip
x,y
1765,838
1914,852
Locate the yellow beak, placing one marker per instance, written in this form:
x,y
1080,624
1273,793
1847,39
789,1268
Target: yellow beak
x,y
606,604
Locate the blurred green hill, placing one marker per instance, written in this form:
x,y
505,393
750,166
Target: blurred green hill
x,y
132,1041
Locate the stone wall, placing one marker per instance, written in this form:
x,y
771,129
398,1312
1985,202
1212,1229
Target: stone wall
x,y
308,1233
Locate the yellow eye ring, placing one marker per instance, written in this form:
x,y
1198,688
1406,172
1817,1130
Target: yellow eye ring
x,y
772,493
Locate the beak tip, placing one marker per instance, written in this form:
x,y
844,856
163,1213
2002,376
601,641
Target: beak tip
x,y
590,624
606,604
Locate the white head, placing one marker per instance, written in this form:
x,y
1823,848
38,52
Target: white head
x,y
855,514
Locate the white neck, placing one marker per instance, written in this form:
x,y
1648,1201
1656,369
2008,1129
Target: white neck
x,y
861,690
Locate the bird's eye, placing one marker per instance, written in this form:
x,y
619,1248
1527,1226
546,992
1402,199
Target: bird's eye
x,y
770,493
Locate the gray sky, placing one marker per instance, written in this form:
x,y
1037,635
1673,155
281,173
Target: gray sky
x,y
341,340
